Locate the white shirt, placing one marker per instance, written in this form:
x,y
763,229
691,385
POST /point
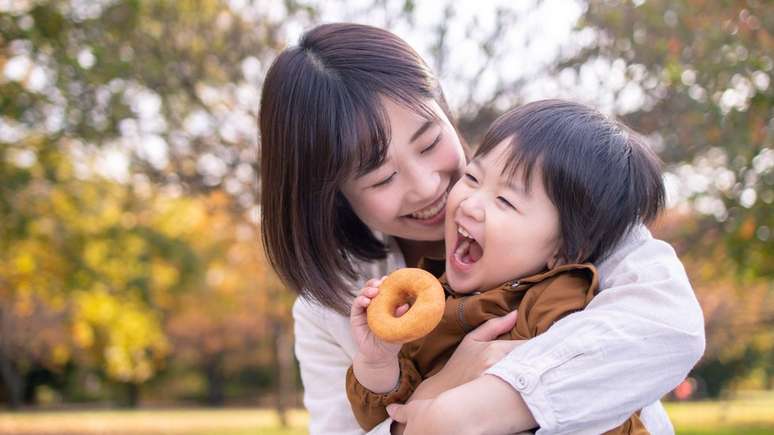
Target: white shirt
x,y
588,373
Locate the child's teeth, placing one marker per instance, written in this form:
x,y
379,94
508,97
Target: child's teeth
x,y
464,232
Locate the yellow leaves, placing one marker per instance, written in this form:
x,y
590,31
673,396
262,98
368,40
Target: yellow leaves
x,y
24,262
163,276
176,217
60,354
110,265
125,331
83,334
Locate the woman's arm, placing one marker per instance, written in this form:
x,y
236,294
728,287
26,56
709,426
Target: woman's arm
x,y
476,353
634,342
499,409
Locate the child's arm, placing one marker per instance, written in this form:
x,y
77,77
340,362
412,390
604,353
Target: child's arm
x,y
370,408
378,376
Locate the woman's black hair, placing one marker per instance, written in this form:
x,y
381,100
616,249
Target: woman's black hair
x,y
321,120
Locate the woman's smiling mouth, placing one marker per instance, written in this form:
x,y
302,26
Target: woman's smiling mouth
x,y
431,213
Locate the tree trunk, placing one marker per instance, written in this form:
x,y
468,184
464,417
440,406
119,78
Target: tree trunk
x,y
213,369
12,379
132,398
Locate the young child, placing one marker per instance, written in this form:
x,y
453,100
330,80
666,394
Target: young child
x,y
552,189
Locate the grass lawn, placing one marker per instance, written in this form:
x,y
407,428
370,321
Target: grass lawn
x,y
195,421
750,413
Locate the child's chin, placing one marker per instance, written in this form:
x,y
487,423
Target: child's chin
x,y
462,287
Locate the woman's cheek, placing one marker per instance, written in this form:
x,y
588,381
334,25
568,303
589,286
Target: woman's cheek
x,y
383,208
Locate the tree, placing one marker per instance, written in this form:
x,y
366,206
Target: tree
x,y
701,73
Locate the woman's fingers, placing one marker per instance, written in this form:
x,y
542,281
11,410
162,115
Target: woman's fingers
x,y
493,328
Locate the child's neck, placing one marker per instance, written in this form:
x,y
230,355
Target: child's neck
x,y
414,250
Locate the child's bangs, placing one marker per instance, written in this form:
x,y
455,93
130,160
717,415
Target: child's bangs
x,y
520,158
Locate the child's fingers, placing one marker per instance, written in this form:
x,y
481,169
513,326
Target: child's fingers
x,y
359,306
361,301
370,292
401,310
374,282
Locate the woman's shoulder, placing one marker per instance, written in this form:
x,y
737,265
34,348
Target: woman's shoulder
x,y
367,269
638,255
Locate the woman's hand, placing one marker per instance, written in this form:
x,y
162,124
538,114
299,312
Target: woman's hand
x,y
370,347
478,351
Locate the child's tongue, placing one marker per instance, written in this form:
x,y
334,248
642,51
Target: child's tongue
x,y
470,251
475,252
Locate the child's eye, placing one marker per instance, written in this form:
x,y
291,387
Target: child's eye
x,y
470,177
385,181
506,202
432,145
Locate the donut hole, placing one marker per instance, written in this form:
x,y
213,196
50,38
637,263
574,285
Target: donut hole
x,y
405,298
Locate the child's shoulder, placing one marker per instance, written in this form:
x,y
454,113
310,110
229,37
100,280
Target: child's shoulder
x,y
568,280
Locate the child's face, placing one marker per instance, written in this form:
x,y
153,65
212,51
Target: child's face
x,y
496,229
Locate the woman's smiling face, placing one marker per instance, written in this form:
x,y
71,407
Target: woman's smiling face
x,y
498,229
406,195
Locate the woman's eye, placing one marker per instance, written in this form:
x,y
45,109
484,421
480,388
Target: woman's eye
x,y
470,177
432,145
506,202
385,181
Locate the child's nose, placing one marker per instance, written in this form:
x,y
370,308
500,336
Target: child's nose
x,y
472,207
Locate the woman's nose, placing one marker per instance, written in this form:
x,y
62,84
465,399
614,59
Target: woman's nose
x,y
473,208
424,183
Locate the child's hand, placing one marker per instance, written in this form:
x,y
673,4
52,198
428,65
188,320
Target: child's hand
x,y
372,349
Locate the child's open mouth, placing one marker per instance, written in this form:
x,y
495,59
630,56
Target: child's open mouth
x,y
467,250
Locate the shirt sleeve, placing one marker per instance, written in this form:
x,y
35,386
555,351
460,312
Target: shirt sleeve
x,y
370,408
632,344
323,364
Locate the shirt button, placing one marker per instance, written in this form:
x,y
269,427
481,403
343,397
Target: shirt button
x,y
521,382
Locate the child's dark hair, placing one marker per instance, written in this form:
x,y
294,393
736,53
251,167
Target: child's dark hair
x,y
600,175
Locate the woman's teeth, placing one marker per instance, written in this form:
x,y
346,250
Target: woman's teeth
x,y
431,211
464,232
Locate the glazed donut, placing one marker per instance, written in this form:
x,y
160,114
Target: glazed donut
x,y
421,290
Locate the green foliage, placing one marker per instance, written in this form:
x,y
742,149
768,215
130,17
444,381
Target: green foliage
x,y
705,73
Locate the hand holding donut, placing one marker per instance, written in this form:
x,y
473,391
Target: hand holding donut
x,y
371,347
416,287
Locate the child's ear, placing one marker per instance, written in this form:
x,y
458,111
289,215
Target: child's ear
x,y
555,259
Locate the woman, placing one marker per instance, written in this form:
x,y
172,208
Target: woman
x,y
357,155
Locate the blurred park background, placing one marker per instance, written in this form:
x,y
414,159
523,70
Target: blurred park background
x,y
134,295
